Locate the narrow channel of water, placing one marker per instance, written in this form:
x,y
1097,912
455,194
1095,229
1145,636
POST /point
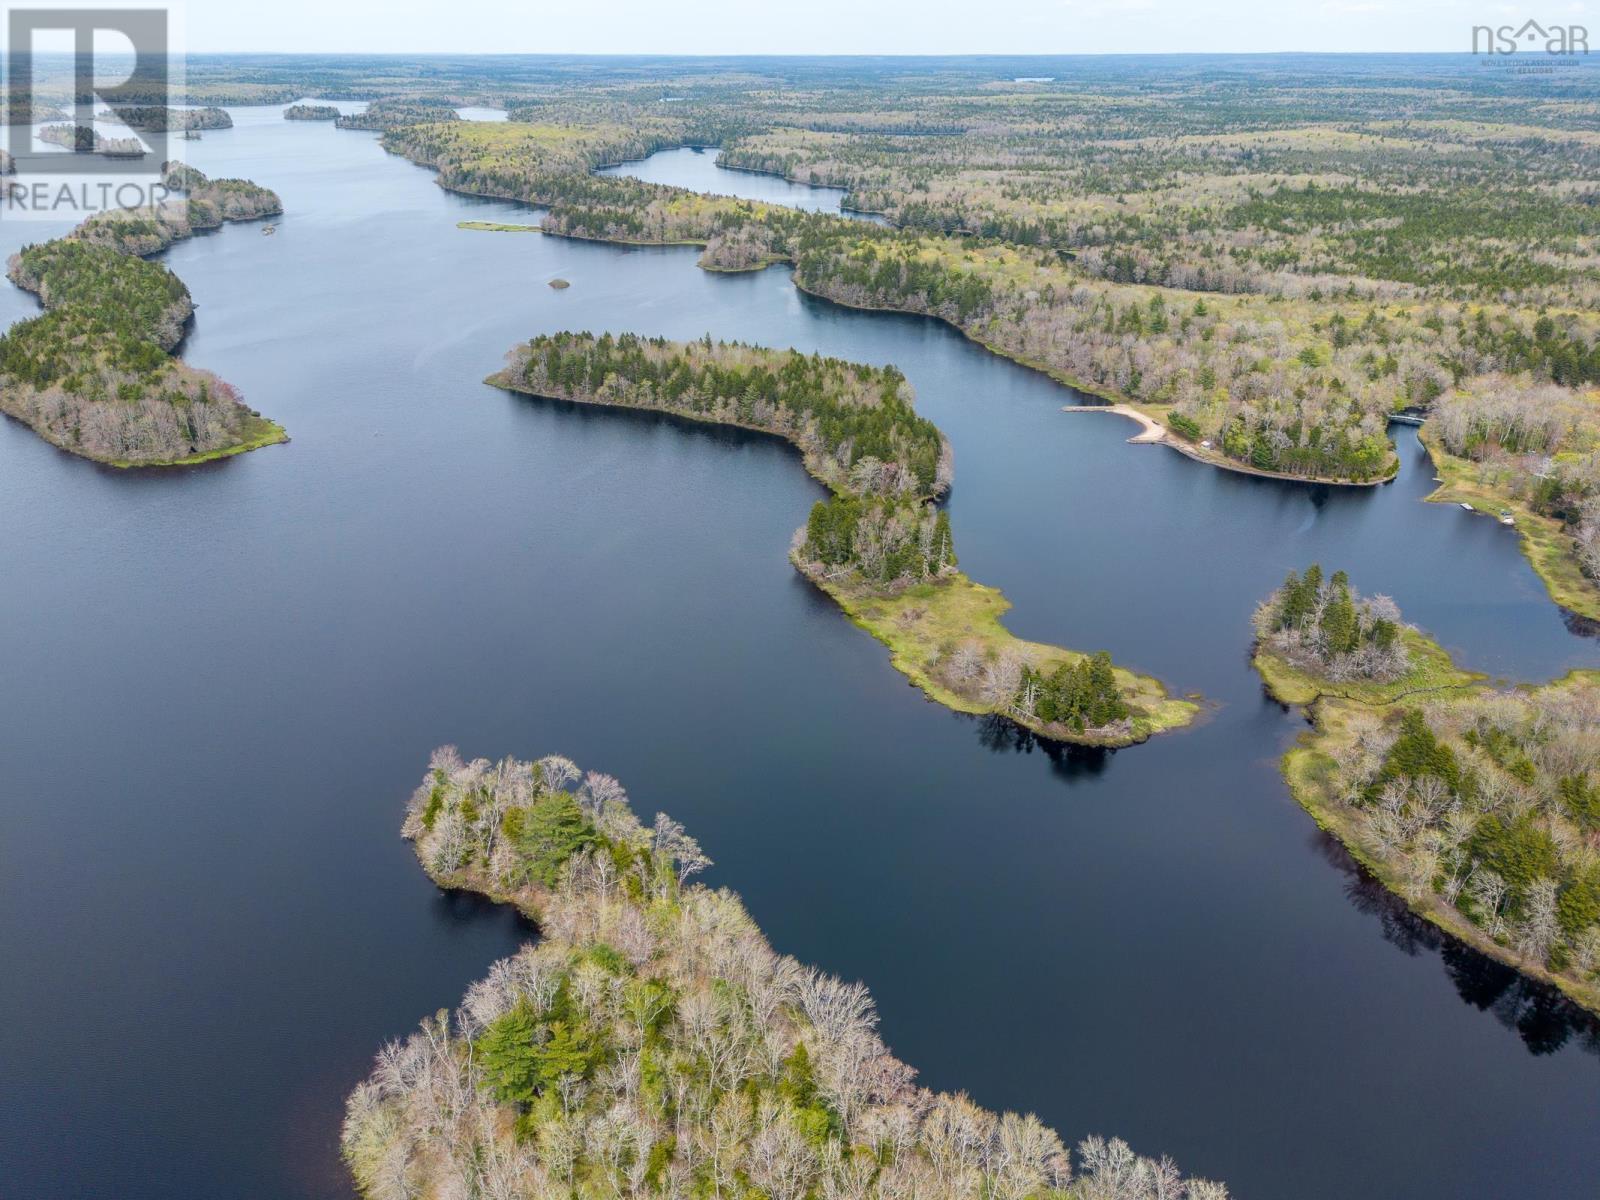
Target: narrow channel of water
x,y
698,168
222,684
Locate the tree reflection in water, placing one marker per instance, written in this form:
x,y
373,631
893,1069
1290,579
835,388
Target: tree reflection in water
x,y
1541,1016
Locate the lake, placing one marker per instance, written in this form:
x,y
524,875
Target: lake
x,y
222,683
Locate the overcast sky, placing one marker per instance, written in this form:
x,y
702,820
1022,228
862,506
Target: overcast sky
x,y
854,26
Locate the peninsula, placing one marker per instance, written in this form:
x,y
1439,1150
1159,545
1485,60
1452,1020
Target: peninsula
x,y
652,1043
95,374
1479,807
879,545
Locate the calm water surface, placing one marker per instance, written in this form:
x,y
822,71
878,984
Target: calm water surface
x,y
221,684
696,167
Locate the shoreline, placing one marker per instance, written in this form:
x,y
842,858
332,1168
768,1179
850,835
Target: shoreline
x,y
1166,713
1305,778
1543,540
1112,400
256,431
1208,458
931,612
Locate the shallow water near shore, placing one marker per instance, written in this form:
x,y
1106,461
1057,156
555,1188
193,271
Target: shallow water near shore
x,y
223,682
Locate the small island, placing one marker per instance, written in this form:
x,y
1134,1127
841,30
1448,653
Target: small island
x,y
1479,807
311,112
159,118
880,546
653,1043
95,374
86,139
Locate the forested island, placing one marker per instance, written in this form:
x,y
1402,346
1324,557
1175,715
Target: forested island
x,y
1479,807
311,112
652,1044
95,374
87,139
159,118
879,545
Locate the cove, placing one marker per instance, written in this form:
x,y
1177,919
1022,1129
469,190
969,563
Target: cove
x,y
220,684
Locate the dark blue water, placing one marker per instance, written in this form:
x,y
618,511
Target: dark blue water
x,y
221,684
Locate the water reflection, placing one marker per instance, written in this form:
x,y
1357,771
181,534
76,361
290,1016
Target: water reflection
x,y
1067,760
1579,625
1539,1014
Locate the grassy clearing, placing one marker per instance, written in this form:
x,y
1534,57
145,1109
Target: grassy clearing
x,y
1545,544
1432,671
498,226
921,624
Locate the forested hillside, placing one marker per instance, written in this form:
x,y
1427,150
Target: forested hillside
x,y
95,375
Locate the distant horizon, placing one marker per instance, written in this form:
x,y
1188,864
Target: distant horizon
x,y
844,28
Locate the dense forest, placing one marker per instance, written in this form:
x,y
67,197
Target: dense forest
x,y
1325,627
311,112
395,114
879,544
94,374
652,1044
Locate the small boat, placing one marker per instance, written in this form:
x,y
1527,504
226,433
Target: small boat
x,y
1467,506
268,230
190,135
1506,518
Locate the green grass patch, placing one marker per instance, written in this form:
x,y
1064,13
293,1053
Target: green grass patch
x,y
261,432
498,226
922,623
1432,670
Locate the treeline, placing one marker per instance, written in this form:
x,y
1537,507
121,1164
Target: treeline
x,y
311,112
854,424
395,114
652,1044
93,374
1326,628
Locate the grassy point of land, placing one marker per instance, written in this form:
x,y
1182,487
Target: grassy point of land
x,y
1547,546
498,226
1432,671
921,623
265,433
